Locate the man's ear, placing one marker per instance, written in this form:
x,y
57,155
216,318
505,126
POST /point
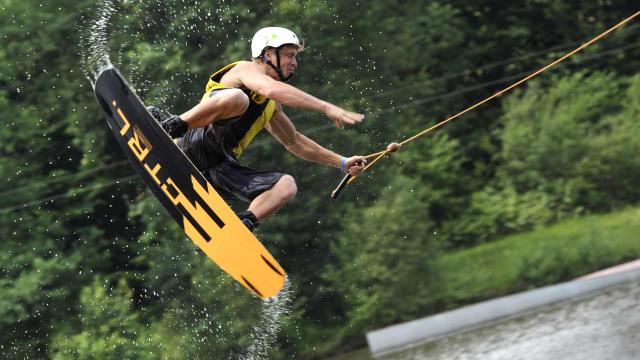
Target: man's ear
x,y
268,53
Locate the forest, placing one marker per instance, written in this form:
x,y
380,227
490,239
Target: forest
x,y
92,266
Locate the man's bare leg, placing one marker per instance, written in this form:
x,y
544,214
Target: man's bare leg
x,y
272,200
225,104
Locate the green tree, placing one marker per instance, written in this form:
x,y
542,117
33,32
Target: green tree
x,y
111,326
563,154
553,138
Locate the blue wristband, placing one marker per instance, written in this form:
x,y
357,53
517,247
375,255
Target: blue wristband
x,y
342,163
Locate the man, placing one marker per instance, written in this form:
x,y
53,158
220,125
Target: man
x,y
240,100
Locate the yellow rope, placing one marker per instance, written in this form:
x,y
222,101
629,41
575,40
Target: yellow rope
x,y
380,154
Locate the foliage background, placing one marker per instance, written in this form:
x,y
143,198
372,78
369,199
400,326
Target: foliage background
x,y
92,267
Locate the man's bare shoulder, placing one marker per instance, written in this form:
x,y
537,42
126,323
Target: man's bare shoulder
x,y
234,76
250,66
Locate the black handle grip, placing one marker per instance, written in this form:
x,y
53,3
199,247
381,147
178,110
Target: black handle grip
x,y
343,183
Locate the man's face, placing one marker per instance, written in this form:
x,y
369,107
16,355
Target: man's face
x,y
288,61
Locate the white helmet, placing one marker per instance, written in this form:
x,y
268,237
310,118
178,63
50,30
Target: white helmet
x,y
272,37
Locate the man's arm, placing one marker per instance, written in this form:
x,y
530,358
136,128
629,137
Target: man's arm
x,y
249,75
281,127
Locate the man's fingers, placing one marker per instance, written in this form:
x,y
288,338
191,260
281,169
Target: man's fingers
x,y
355,118
357,162
350,120
347,117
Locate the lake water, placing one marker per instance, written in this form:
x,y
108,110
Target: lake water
x,y
599,327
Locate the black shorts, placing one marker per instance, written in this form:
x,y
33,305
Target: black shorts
x,y
230,178
234,180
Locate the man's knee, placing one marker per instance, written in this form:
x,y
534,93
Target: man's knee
x,y
235,101
227,103
288,187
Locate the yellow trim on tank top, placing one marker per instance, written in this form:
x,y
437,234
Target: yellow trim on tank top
x,y
213,83
255,128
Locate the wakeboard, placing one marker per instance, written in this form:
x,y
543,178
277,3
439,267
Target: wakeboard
x,y
183,191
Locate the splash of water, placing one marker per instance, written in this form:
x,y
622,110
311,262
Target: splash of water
x,y
96,57
263,335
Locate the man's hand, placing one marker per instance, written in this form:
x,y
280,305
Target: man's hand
x,y
341,116
355,164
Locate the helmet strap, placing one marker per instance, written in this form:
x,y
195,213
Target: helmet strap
x,y
277,66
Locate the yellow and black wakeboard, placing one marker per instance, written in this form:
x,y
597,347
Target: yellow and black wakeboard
x,y
183,191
